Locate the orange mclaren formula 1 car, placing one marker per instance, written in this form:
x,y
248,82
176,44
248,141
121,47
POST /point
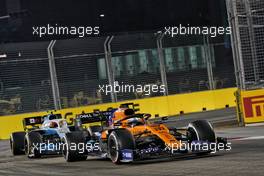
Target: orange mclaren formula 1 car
x,y
126,136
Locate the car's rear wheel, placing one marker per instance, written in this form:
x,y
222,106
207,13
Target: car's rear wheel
x,y
201,131
33,142
17,143
71,147
119,140
94,129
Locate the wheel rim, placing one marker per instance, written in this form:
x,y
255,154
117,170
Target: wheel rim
x,y
192,135
113,150
26,148
11,145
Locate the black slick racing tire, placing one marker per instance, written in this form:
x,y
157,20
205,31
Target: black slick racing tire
x,y
33,141
94,129
17,143
118,140
201,130
71,153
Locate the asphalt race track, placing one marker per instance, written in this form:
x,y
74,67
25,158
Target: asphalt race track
x,y
219,118
245,158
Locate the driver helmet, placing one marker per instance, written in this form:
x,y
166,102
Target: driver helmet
x,y
53,125
121,113
135,121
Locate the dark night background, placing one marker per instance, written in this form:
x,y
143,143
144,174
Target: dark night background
x,y
120,16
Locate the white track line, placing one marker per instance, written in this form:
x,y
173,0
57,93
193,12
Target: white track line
x,y
247,138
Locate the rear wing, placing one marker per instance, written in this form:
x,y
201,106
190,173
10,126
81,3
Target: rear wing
x,y
34,122
133,106
100,116
88,118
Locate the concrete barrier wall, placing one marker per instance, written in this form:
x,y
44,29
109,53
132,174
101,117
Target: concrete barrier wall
x,y
157,106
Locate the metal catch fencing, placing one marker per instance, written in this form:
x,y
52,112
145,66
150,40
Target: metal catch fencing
x,y
246,17
70,73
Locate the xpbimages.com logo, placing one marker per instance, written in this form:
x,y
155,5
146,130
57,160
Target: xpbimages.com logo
x,y
212,31
80,147
146,89
79,31
198,146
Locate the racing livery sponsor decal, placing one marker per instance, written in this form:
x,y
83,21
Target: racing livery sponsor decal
x,y
253,106
127,155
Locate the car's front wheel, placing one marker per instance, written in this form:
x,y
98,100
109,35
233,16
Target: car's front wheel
x,y
201,131
119,140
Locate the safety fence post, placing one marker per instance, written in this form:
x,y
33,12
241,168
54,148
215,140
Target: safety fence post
x,y
208,59
252,40
162,63
53,76
109,66
234,42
